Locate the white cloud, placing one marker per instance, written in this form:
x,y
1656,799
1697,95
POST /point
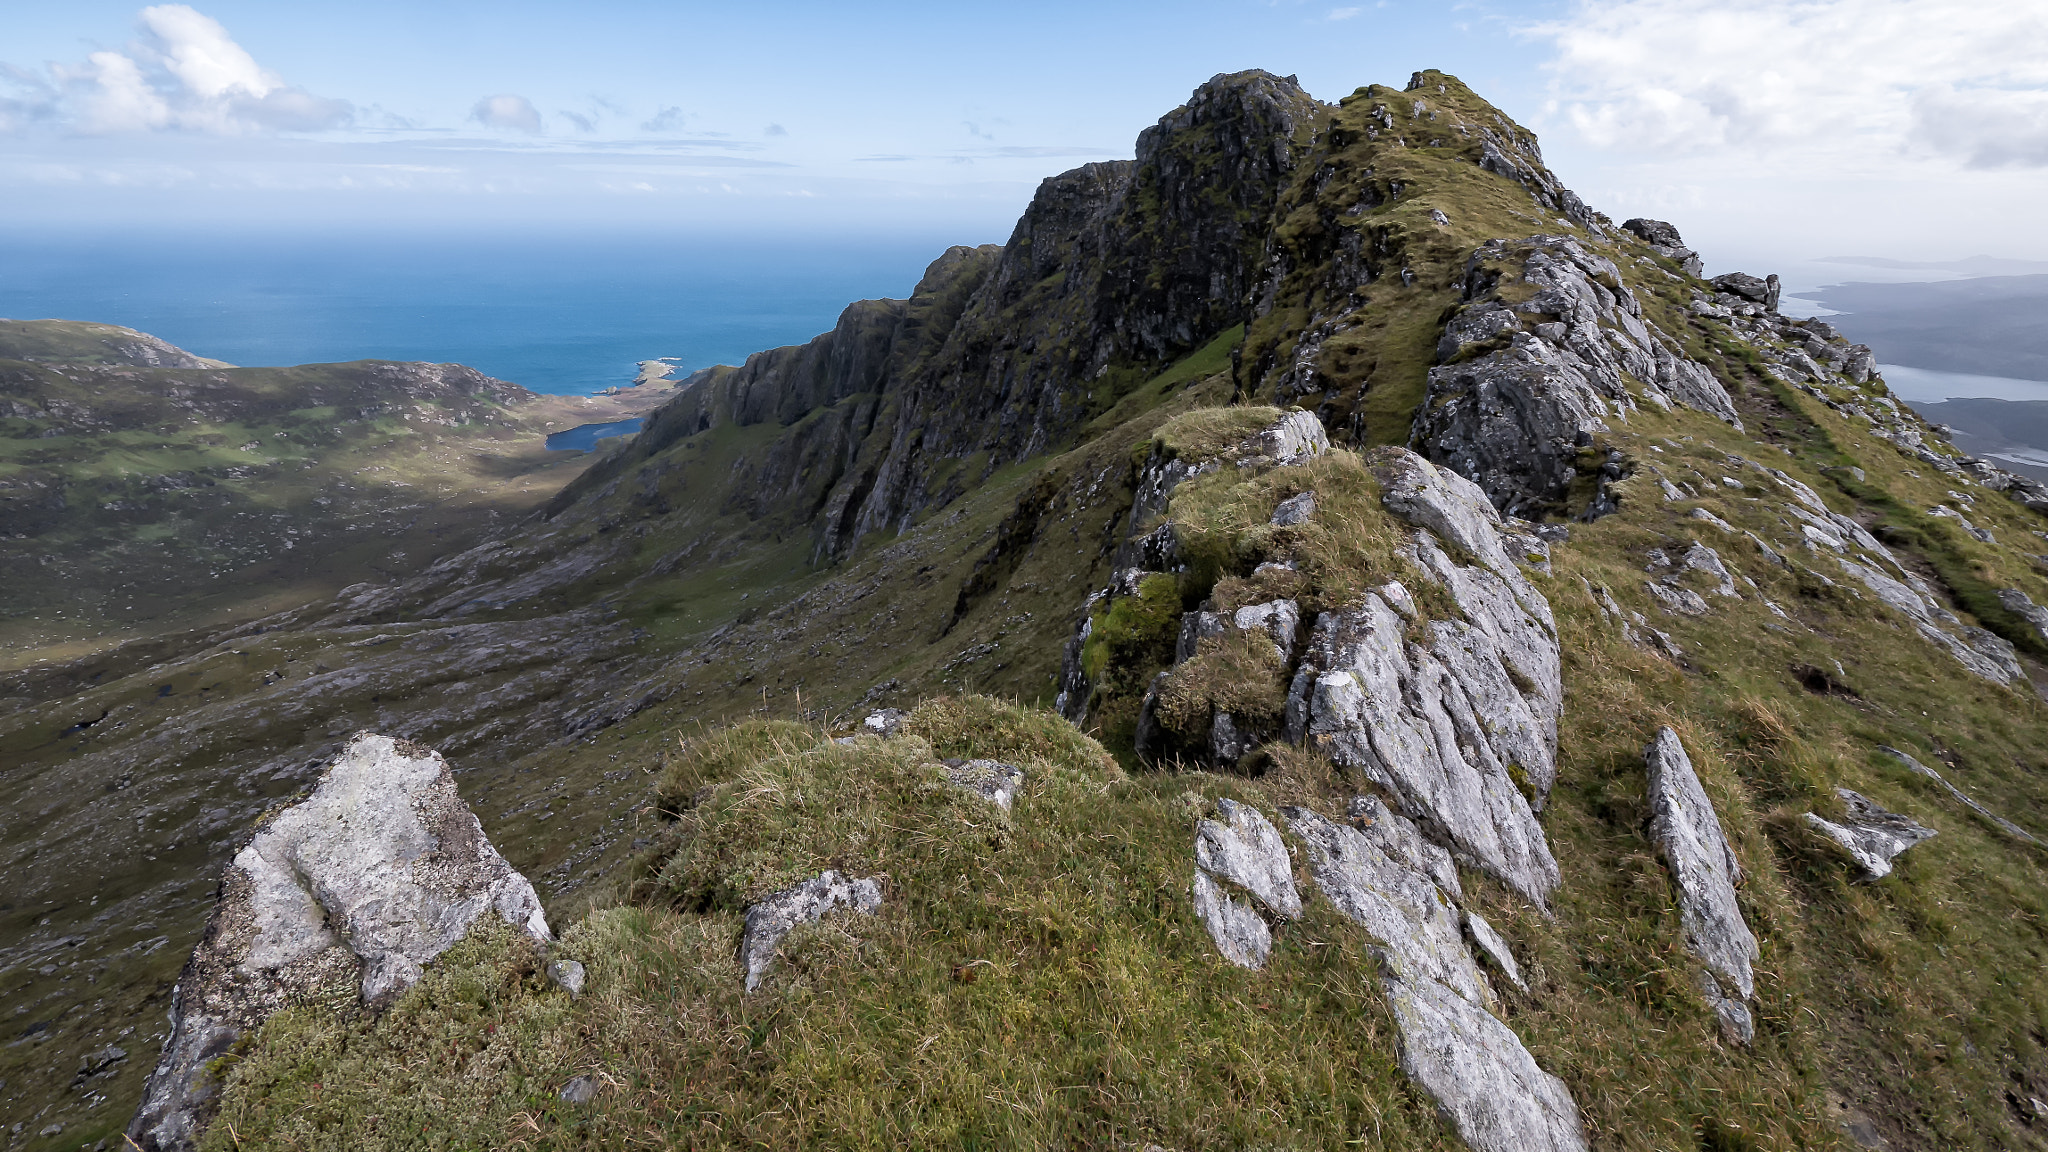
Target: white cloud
x,y
1344,13
184,73
1858,83
668,119
514,112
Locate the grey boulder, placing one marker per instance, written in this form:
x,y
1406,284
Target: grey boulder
x,y
1482,1077
1870,835
992,780
348,892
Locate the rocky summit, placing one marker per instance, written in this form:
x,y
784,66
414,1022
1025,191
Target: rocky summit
x,y
1324,639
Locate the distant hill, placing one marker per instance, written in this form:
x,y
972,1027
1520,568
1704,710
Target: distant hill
x,y
1988,326
141,483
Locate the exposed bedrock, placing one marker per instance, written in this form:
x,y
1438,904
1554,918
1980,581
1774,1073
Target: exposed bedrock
x,y
1527,380
1446,720
1687,833
1482,1077
344,895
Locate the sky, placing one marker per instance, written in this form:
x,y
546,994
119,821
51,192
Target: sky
x,y
1772,133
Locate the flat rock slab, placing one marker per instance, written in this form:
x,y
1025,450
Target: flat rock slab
x,y
2006,826
348,893
1688,834
806,903
1869,834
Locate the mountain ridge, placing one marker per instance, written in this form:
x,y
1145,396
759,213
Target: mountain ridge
x,y
1736,534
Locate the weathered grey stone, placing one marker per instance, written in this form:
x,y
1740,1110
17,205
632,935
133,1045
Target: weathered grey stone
x,y
350,891
1279,619
579,1090
996,782
1414,920
1245,849
1683,601
1514,419
2004,825
568,975
1733,1014
1296,509
1398,837
1870,835
1688,835
1438,722
1493,948
771,919
1482,1077
1663,239
884,722
1196,627
1240,934
2020,604
1227,744
1297,437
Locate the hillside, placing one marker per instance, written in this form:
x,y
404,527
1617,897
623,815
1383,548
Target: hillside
x,y
146,490
1426,621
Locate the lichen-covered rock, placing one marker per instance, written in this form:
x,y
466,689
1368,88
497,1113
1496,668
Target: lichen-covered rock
x,y
884,722
1240,933
1294,510
1295,438
772,918
993,781
1244,850
1525,385
1493,948
1870,835
346,894
1446,722
1688,835
1482,1077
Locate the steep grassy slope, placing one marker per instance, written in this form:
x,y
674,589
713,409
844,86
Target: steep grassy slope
x,y
144,489
919,505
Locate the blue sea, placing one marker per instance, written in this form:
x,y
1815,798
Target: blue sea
x,y
557,313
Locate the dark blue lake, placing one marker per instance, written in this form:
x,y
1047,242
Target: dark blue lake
x,y
562,314
584,437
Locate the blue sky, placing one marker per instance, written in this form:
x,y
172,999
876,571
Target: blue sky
x,y
1768,131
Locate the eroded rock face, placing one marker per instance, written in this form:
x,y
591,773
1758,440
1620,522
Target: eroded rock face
x,y
1483,1079
1526,385
1445,722
347,894
806,903
1688,835
1870,835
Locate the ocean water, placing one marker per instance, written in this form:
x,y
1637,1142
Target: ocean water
x,y
561,314
1927,386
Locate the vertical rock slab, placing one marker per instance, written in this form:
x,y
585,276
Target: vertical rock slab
x,y
346,894
1483,1079
1688,835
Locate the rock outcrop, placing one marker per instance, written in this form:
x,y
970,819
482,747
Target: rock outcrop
x,y
1482,1077
2001,823
1688,835
1871,836
1528,380
1446,721
772,918
346,894
1243,851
